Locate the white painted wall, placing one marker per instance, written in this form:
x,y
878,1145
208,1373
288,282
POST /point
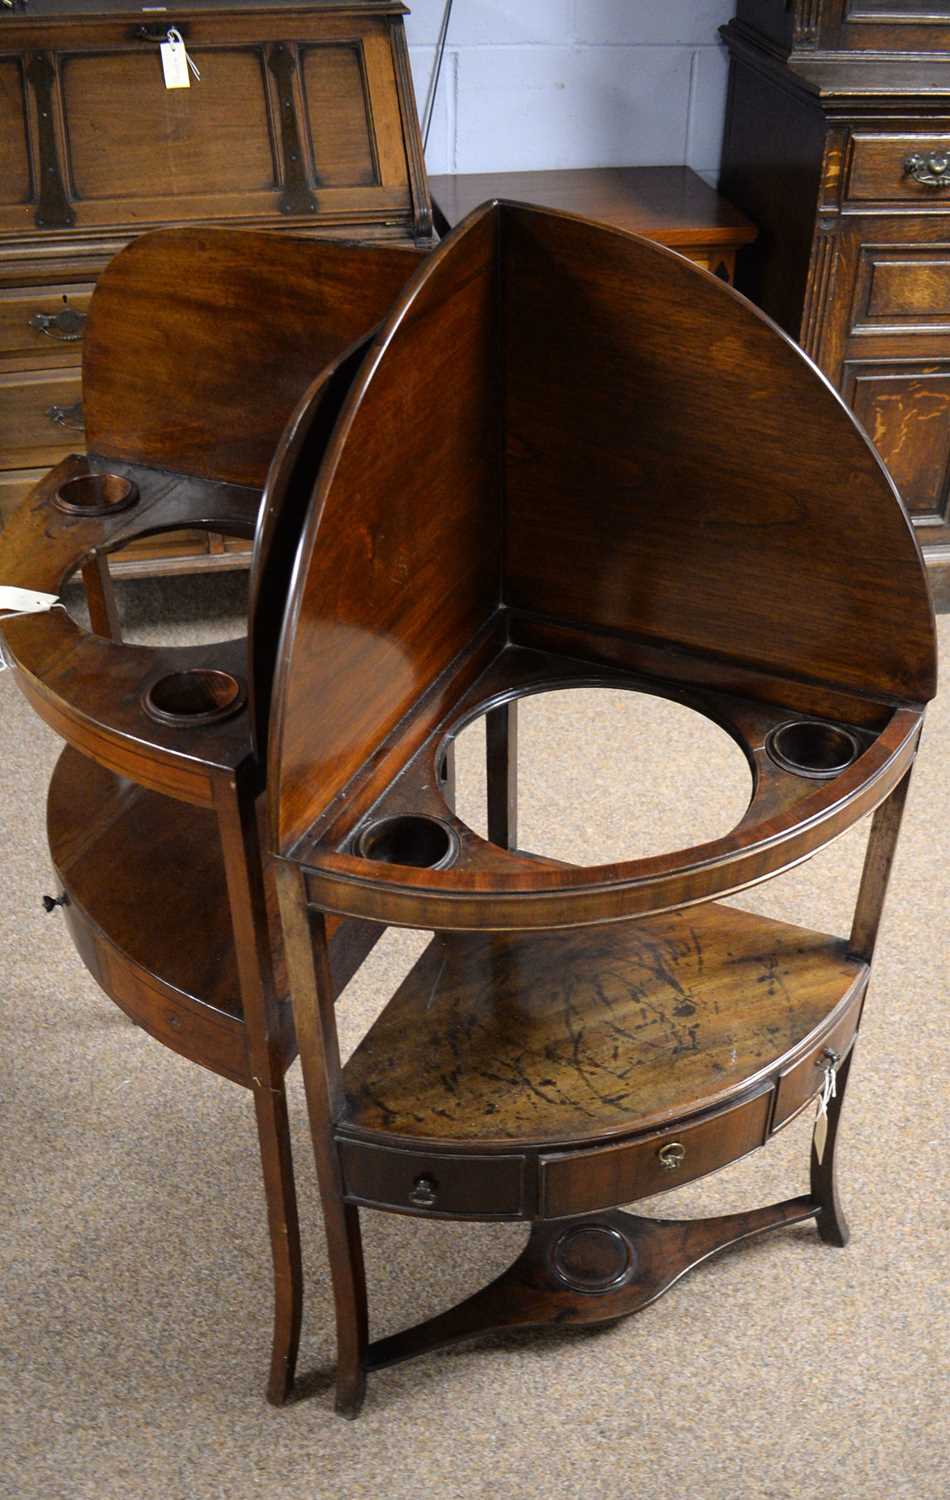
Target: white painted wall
x,y
573,83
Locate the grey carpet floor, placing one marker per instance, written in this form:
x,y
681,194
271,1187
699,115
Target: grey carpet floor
x,y
135,1273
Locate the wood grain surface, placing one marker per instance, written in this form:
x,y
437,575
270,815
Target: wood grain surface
x,y
580,1035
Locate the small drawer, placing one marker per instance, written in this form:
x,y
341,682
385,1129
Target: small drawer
x,y
48,321
578,1182
803,1080
217,1041
39,419
433,1184
899,168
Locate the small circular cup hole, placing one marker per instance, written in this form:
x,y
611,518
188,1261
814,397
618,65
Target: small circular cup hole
x,y
96,495
811,749
425,843
200,696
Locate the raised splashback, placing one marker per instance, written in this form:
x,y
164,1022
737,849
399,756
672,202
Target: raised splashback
x,y
657,484
200,342
573,422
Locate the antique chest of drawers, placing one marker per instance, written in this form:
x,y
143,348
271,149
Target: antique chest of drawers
x,y
838,145
303,120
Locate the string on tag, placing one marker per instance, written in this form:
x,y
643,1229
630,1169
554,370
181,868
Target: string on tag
x,y
829,1089
175,60
176,39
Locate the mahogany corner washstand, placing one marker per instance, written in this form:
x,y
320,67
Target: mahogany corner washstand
x,y
570,458
215,363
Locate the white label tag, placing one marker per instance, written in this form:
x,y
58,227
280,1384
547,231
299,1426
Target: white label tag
x,y
175,65
25,601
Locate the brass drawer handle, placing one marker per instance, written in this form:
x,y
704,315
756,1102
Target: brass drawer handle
x,y
672,1156
930,170
424,1193
65,326
70,417
158,31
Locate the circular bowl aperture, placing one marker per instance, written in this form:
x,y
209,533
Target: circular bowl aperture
x,y
811,749
96,495
411,839
202,695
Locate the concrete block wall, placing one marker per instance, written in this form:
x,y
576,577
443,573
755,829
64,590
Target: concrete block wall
x,y
573,83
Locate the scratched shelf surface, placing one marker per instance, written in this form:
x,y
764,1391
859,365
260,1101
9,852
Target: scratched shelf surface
x,y
580,1035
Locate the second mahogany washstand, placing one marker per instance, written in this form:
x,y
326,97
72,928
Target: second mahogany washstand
x,y
571,458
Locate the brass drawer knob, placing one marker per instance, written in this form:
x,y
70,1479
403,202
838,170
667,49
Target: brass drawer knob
x,y
672,1156
69,417
932,170
65,326
424,1193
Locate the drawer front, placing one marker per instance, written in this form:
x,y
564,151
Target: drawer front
x,y
30,435
904,407
43,324
580,1181
880,167
432,1184
901,289
802,1082
216,1041
15,485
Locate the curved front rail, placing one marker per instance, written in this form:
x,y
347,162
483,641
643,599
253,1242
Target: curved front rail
x,y
92,691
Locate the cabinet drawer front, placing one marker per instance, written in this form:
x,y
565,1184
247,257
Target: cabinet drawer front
x,y
878,168
432,1184
581,1181
905,409
15,485
29,435
45,321
901,289
802,1082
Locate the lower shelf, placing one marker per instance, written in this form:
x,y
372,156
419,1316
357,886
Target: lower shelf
x,y
544,1076
149,913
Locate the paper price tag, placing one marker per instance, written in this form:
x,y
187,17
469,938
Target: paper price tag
x,y
25,601
175,65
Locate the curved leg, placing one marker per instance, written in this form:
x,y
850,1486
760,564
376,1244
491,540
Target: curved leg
x,y
274,1138
832,1224
312,992
345,1243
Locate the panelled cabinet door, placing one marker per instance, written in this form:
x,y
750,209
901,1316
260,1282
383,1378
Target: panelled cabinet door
x,y
297,115
887,346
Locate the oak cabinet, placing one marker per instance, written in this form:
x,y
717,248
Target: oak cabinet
x,y
838,144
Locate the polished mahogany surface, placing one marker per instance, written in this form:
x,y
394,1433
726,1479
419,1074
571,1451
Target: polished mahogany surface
x,y
566,462
201,341
154,804
573,1036
588,384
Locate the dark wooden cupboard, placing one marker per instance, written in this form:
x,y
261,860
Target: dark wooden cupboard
x,y
303,120
837,144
